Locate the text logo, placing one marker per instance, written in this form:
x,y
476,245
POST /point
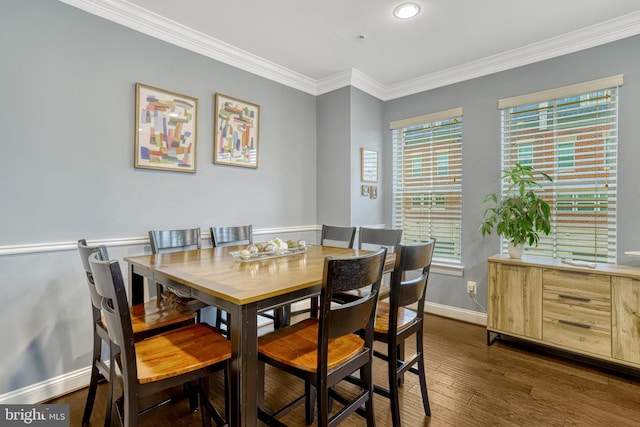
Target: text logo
x,y
34,415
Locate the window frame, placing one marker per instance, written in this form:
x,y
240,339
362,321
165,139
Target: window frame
x,y
575,134
429,205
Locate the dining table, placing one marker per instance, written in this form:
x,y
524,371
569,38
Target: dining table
x,y
242,289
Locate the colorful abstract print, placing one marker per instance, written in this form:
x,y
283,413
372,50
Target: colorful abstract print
x,y
236,134
168,140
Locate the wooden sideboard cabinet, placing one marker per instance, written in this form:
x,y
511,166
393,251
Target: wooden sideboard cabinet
x,y
593,312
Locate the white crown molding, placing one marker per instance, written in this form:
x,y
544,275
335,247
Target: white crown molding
x,y
160,27
333,82
350,77
154,25
585,38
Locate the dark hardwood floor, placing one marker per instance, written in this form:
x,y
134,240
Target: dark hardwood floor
x,y
470,384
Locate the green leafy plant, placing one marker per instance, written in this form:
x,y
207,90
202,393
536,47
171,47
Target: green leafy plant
x,y
521,214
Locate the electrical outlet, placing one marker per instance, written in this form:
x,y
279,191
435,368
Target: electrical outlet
x,y
471,287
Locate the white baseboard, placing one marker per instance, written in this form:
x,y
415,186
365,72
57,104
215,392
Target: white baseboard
x,y
48,389
78,379
469,316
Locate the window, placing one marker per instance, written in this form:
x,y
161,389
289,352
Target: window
x,y
443,162
566,154
525,154
573,133
429,204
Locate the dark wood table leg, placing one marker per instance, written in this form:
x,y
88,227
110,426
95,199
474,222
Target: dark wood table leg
x,y
243,408
136,281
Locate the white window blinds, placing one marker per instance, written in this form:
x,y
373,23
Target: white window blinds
x,y
427,181
572,135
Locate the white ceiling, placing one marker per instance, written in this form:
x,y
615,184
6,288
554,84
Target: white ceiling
x,y
314,45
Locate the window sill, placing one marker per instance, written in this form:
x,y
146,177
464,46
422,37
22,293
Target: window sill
x,y
447,269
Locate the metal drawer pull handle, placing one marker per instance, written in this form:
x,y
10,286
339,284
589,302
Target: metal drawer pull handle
x,y
575,298
578,324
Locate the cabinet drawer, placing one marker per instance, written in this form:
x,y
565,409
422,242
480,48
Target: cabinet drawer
x,y
576,308
577,337
581,285
576,311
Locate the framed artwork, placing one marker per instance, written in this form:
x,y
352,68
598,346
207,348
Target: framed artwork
x,y
237,130
166,130
369,165
373,192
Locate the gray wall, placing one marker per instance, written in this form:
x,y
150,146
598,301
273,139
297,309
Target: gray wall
x,y
366,132
333,161
348,119
481,148
67,118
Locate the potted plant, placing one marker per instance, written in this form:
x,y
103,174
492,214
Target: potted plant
x,y
520,214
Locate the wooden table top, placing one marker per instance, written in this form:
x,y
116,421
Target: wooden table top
x,y
215,272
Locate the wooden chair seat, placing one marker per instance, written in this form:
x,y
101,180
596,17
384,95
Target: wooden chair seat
x,y
406,317
180,351
157,314
297,346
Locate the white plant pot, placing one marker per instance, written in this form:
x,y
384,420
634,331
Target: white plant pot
x,y
515,251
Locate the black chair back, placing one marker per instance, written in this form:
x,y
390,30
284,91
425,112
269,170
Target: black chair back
x,y
345,274
174,240
338,234
85,252
379,237
229,236
404,291
109,282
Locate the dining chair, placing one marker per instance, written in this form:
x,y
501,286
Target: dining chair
x,y
229,236
324,351
368,238
186,355
330,236
147,319
398,320
233,236
335,234
165,241
372,239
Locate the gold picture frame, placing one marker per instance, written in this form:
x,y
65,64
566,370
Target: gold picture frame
x,y
368,165
236,132
166,132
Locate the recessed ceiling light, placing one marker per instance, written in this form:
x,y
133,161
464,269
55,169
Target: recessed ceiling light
x,y
406,10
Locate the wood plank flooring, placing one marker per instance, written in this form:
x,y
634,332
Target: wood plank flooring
x,y
470,384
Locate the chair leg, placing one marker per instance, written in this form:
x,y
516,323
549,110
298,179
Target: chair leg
x,y
95,377
131,409
367,377
310,402
227,389
191,390
204,400
401,355
111,380
393,383
423,377
323,403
